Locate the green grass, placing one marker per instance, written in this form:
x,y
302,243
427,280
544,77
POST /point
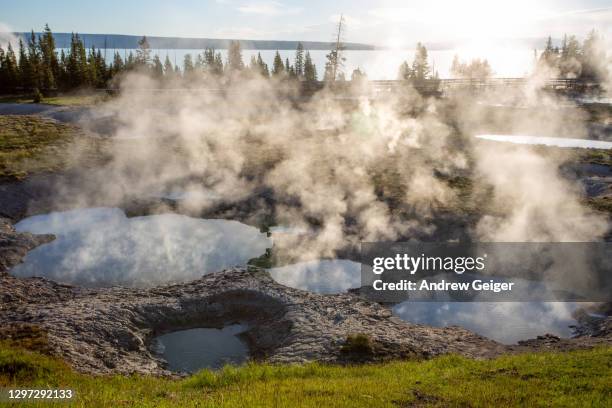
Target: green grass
x,y
578,378
86,99
32,144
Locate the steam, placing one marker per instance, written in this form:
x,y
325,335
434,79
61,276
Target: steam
x,y
7,37
346,170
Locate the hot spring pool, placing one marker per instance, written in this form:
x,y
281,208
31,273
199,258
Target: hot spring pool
x,y
320,276
548,141
505,322
195,349
99,247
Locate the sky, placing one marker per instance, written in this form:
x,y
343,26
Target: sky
x,y
382,22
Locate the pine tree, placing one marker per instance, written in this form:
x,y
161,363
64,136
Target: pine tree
x,y
299,60
310,70
262,66
157,69
278,69
218,64
92,72
49,63
188,67
420,66
117,65
405,73
234,57
168,68
143,53
25,72
34,62
11,69
289,69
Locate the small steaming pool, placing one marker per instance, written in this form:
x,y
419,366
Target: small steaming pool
x,y
549,141
99,247
320,276
195,349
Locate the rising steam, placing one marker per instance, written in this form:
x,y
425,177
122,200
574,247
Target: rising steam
x,y
346,170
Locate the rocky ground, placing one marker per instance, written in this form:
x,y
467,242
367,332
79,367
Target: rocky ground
x,y
109,330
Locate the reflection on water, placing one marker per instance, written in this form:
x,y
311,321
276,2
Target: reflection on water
x,y
195,349
506,322
102,247
548,141
321,276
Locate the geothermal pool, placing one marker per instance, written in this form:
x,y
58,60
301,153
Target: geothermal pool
x,y
320,276
548,141
99,247
505,322
195,349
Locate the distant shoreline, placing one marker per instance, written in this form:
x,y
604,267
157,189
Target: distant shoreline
x,y
62,40
126,41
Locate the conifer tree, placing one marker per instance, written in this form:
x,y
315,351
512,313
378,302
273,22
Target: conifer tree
x,y
11,69
168,68
278,69
263,67
420,66
234,57
117,65
49,63
188,67
34,62
143,53
299,60
25,72
157,69
310,70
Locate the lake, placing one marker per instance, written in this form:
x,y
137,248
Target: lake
x,y
378,64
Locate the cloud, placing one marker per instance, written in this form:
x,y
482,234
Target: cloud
x,y
269,8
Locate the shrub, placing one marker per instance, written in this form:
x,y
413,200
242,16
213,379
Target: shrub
x,y
358,344
38,96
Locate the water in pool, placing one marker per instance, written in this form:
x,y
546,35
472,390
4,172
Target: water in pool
x,y
506,322
320,276
549,141
99,247
195,349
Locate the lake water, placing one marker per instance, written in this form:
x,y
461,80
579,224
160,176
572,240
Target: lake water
x,y
99,247
378,64
195,349
548,141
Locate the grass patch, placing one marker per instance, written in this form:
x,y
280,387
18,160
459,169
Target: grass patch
x,y
58,100
603,204
596,156
32,144
570,379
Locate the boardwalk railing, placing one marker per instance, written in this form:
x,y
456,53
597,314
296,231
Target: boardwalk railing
x,y
429,86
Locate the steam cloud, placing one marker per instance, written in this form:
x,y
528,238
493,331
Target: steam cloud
x,y
345,170
7,37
